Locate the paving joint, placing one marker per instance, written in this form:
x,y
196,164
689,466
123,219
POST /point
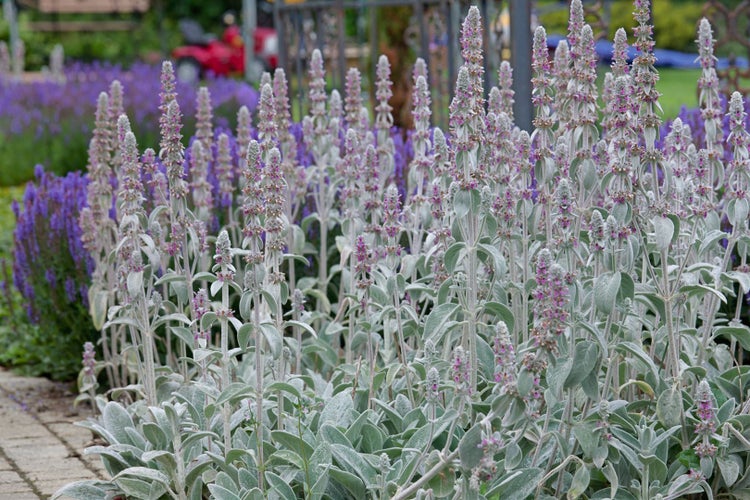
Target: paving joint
x,y
14,466
36,418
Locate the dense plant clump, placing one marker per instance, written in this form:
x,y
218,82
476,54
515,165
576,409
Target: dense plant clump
x,y
48,122
51,270
528,315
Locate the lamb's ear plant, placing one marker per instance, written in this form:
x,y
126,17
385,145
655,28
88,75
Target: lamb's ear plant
x,y
529,314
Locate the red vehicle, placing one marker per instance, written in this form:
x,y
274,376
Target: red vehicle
x,y
205,53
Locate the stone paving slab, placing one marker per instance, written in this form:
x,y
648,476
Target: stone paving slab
x,y
40,448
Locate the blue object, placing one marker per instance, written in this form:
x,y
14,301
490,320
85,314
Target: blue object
x,y
664,58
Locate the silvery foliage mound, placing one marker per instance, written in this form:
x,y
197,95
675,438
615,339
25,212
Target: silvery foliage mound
x,y
533,315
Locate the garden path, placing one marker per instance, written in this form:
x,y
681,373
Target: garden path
x,y
40,448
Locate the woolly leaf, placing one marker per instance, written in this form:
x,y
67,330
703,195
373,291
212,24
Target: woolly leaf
x,y
669,406
516,485
85,490
469,449
337,410
280,487
663,231
580,482
436,323
606,287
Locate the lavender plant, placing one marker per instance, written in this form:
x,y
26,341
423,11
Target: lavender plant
x,y
47,121
529,315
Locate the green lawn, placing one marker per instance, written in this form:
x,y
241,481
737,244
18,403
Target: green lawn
x,y
678,88
7,220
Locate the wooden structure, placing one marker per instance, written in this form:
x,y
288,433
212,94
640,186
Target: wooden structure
x,y
732,29
56,8
86,6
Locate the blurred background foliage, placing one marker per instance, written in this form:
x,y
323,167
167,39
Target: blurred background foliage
x,y
157,30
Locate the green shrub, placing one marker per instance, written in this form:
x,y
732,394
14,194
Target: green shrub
x,y
675,21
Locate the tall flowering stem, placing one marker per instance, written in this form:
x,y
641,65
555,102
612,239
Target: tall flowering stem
x,y
705,411
384,119
467,122
543,135
645,77
251,304
419,170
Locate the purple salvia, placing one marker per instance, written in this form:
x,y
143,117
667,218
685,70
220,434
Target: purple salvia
x,y
705,411
505,84
204,129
